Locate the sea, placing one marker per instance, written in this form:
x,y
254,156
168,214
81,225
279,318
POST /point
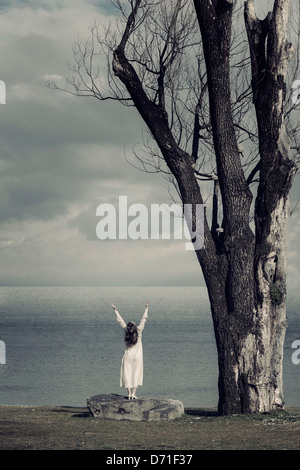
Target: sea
x,y
63,345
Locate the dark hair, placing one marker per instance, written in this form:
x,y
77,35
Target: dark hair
x,y
131,334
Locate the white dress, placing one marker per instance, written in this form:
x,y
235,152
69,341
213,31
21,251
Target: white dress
x,y
131,375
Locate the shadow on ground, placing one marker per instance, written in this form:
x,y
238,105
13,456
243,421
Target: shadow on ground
x,y
79,412
200,412
84,412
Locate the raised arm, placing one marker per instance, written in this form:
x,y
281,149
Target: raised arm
x,y
119,318
144,318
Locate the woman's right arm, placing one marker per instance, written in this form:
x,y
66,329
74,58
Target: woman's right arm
x,y
144,318
119,318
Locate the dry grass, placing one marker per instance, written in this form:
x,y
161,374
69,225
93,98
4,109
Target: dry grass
x,y
67,428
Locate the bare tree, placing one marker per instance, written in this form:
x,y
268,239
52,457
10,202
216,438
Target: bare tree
x,y
218,114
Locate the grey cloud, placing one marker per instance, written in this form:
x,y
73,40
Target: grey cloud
x,y
34,196
54,148
47,188
62,156
85,223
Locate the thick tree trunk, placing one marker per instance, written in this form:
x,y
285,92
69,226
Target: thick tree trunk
x,y
250,325
250,347
232,305
270,53
244,271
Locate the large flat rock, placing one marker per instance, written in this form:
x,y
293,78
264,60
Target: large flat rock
x,y
118,407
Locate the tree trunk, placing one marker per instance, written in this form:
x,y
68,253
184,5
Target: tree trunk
x,y
244,271
233,313
250,326
270,53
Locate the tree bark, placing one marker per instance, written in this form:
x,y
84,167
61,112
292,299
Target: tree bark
x,y
250,333
270,53
233,319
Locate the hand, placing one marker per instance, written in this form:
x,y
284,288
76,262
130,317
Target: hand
x,y
113,306
147,304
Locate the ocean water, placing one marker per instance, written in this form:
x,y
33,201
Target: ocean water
x,y
63,344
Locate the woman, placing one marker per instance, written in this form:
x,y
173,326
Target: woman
x,y
132,362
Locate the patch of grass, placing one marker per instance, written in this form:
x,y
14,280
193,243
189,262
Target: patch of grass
x,y
68,428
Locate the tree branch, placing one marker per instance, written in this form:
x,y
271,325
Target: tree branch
x,y
216,37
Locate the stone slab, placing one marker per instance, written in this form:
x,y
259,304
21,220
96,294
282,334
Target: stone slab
x,y
118,407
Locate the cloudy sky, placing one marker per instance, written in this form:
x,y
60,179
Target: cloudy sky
x,y
62,156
